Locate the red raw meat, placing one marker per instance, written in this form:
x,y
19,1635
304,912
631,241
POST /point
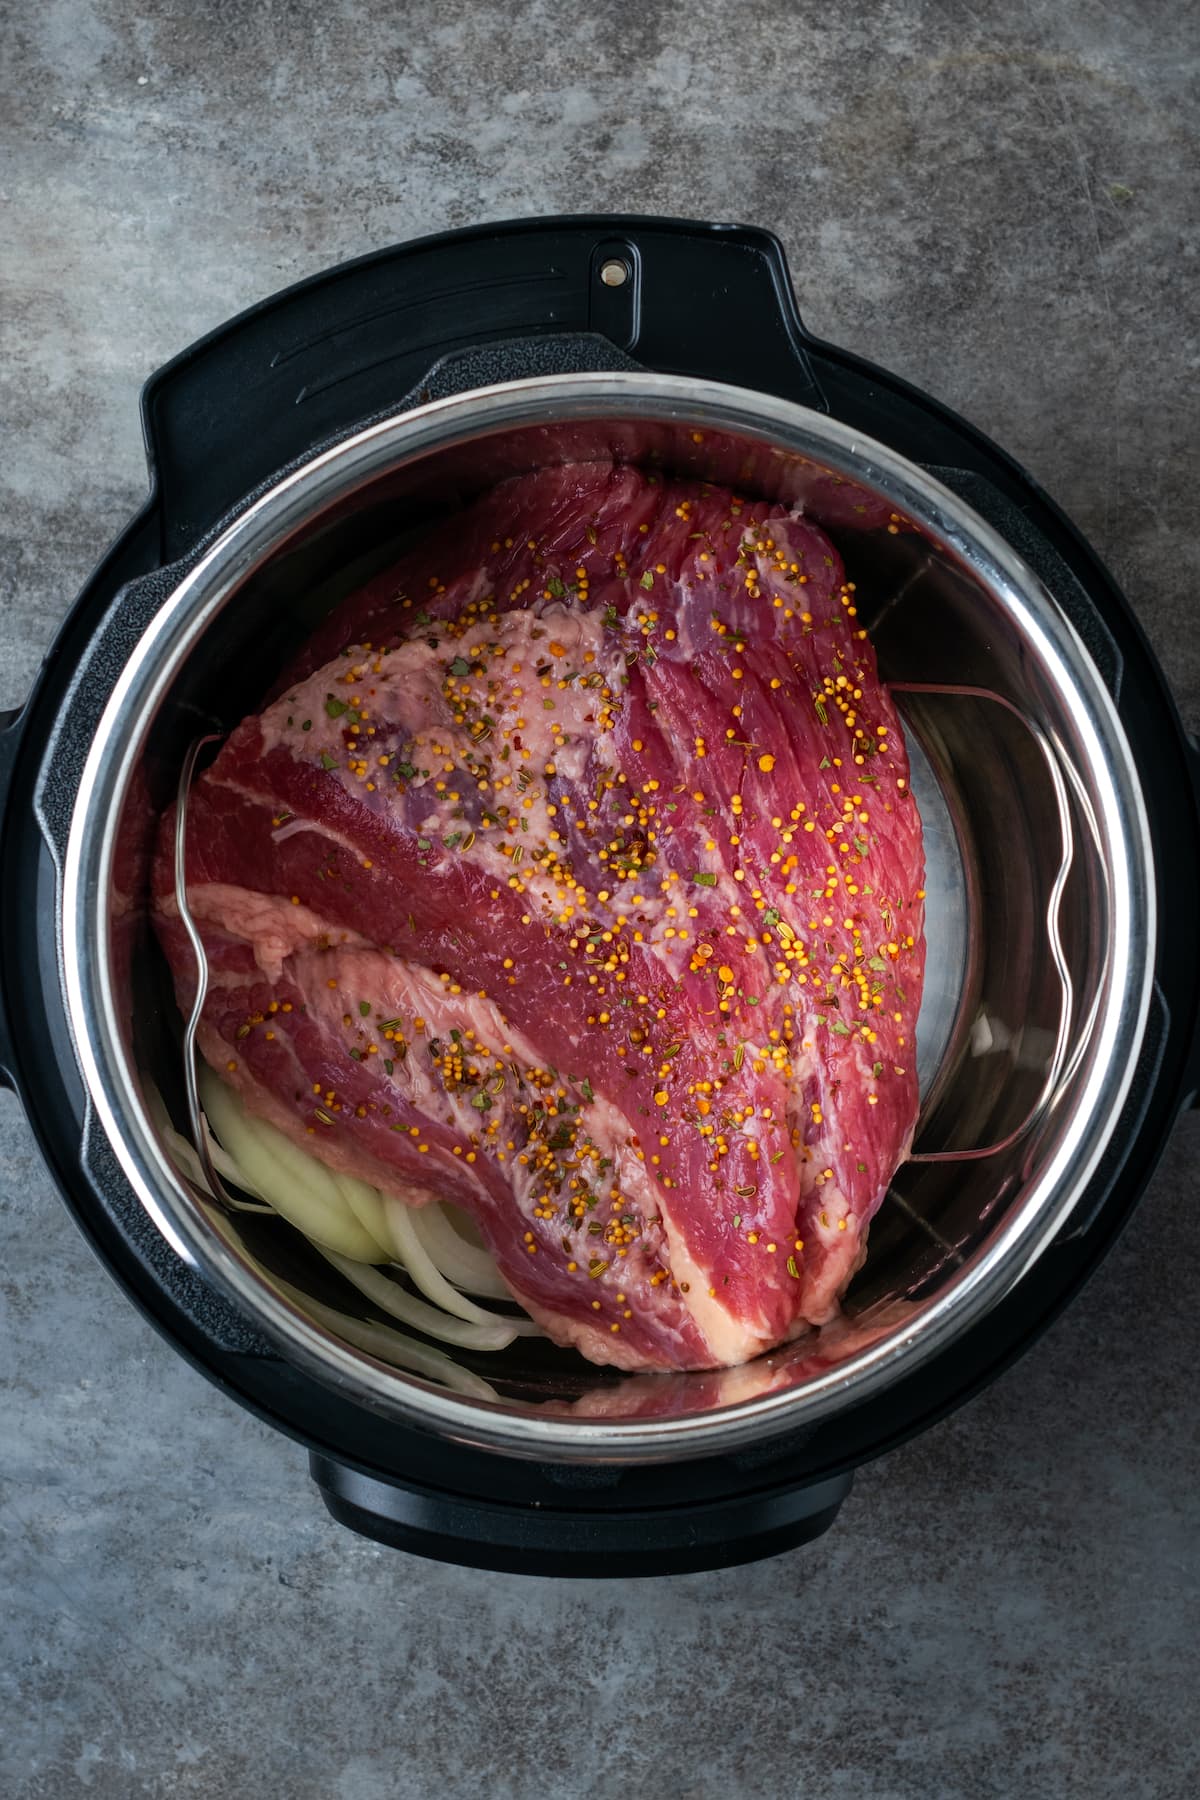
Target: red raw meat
x,y
574,876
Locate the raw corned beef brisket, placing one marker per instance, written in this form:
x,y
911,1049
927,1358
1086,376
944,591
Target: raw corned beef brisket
x,y
574,876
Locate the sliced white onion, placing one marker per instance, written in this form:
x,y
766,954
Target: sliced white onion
x,y
366,1203
355,1226
187,1159
225,1165
189,1163
432,1283
496,1335
391,1346
467,1265
298,1186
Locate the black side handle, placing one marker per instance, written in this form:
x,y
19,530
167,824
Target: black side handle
x,y
307,365
1192,1078
10,734
608,1542
96,670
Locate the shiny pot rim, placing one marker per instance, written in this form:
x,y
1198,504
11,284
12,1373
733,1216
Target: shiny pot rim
x,y
333,477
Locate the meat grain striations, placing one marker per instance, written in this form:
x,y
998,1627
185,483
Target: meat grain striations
x,y
574,876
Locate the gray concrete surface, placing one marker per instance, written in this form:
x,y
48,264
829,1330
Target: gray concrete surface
x,y
999,203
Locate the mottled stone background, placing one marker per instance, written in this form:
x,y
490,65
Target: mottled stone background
x,y
1000,203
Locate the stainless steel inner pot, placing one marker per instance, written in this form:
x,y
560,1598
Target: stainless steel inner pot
x,y
1040,925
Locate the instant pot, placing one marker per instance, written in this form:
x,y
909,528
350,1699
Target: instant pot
x,y
291,453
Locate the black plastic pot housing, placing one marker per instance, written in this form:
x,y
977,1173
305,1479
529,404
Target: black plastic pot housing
x,y
267,391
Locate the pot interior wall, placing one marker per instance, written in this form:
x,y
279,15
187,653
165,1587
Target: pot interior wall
x,y
1010,995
